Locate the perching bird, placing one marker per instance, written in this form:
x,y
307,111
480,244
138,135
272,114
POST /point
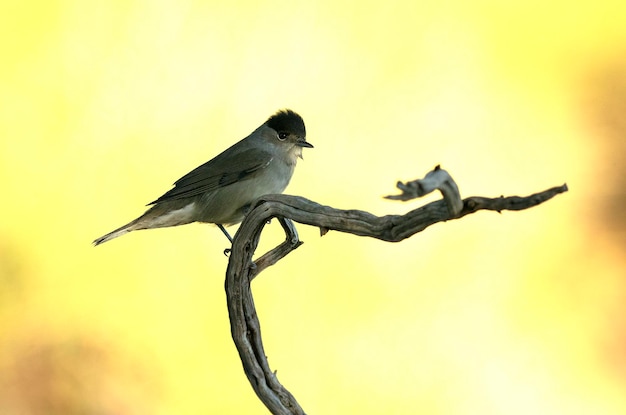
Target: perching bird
x,y
221,190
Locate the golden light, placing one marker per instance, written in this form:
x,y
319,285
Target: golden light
x,y
104,104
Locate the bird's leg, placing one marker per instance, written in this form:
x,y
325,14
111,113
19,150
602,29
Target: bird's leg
x,y
219,225
227,250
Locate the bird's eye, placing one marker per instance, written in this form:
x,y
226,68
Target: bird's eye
x,y
282,136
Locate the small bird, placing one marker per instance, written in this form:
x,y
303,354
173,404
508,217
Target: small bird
x,y
221,190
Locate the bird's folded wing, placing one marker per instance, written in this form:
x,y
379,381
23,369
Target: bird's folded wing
x,y
218,172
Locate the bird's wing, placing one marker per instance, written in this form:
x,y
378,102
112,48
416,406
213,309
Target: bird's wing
x,y
218,172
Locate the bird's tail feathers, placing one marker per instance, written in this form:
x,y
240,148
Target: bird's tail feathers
x,y
129,227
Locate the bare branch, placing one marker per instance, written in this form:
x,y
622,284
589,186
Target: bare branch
x,y
245,326
437,179
276,254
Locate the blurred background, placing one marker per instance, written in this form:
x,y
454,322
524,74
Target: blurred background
x,y
104,104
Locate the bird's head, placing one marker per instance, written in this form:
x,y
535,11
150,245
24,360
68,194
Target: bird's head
x,y
288,132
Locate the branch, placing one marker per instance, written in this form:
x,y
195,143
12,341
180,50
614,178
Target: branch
x,y
245,326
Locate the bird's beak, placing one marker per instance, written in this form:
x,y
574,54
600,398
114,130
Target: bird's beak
x,y
302,143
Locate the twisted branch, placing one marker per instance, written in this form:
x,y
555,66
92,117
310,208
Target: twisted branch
x,y
245,326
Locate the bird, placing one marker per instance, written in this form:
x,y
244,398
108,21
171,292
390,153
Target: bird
x,y
221,190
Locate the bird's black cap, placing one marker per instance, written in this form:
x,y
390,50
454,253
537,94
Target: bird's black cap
x,y
287,121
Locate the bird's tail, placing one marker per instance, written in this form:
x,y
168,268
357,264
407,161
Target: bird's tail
x,y
129,227
158,216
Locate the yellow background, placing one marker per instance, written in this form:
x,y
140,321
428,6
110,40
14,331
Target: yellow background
x,y
103,104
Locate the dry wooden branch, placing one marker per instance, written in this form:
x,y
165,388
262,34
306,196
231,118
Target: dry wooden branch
x,y
245,327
